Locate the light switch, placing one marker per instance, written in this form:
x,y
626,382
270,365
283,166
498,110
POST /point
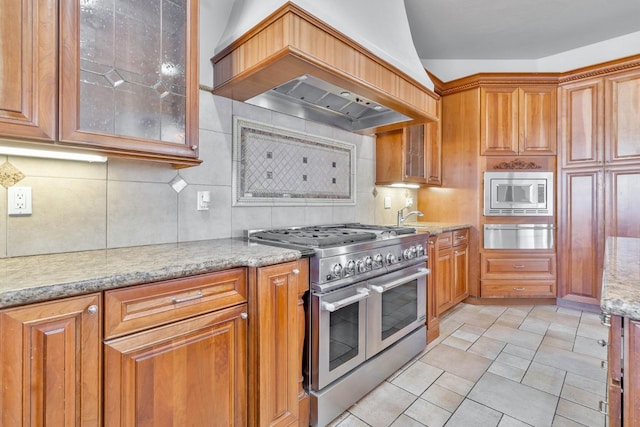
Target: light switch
x,y
387,202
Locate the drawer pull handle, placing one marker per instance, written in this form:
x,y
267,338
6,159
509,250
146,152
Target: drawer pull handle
x,y
518,289
519,266
603,364
602,342
460,237
189,298
605,319
602,406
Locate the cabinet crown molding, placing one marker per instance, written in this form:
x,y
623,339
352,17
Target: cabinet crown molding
x,y
517,164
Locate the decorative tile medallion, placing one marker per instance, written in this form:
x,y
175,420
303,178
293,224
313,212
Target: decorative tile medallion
x,y
10,175
277,166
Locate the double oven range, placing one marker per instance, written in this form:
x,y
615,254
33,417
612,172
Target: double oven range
x,y
366,309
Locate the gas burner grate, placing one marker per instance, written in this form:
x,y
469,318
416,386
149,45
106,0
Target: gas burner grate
x,y
319,237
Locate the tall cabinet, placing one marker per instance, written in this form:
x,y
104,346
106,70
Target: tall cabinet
x,y
599,172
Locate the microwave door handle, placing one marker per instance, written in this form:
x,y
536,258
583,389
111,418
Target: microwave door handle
x,y
387,286
337,305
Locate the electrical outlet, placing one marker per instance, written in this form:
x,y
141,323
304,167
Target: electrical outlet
x,y
204,200
387,202
19,202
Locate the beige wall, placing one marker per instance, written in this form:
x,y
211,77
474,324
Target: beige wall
x,y
83,206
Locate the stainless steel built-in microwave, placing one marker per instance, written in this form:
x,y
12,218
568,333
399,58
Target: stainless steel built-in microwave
x,y
517,193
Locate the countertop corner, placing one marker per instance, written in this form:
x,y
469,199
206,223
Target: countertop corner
x,y
621,277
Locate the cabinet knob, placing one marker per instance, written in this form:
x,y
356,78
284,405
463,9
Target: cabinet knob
x,y
92,309
602,342
296,271
244,315
194,147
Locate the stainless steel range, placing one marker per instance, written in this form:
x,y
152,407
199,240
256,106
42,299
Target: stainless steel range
x,y
367,307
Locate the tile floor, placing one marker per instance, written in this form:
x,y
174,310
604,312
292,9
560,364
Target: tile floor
x,y
496,366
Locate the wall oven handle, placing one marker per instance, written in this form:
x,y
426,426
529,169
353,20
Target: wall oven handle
x,y
383,288
333,306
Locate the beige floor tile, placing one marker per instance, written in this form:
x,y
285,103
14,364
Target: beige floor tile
x,y
508,421
514,336
348,421
590,347
383,405
569,361
510,320
487,347
588,384
552,316
564,329
455,383
524,353
507,371
512,360
545,378
583,397
456,342
417,378
471,413
537,326
580,414
405,421
442,397
519,401
556,342
593,331
469,332
427,413
559,421
570,311
458,362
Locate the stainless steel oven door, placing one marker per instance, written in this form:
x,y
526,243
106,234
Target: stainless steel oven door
x,y
397,306
338,333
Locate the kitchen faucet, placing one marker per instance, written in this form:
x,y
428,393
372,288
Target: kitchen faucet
x,y
402,218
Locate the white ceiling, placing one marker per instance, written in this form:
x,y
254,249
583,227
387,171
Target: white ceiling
x,y
515,29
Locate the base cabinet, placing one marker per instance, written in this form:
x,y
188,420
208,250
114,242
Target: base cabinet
x,y
518,274
450,269
50,363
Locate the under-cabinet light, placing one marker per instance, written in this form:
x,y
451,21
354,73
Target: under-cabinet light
x,y
51,154
404,185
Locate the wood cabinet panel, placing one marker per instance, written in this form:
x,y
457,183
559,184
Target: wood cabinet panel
x,y
450,269
50,363
433,142
460,273
28,81
433,321
518,266
499,120
582,123
582,235
277,321
622,117
519,289
623,201
140,307
537,117
444,279
631,372
191,372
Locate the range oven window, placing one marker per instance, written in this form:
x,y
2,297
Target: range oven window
x,y
344,335
399,308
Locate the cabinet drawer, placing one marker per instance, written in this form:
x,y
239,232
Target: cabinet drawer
x,y
460,237
145,306
445,240
503,289
514,267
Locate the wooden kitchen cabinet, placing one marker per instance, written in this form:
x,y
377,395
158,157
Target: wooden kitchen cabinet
x,y
518,120
451,268
277,321
410,155
518,274
178,355
111,92
623,380
28,82
50,363
599,171
433,321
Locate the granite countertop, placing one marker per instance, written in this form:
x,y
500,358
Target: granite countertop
x,y
435,227
621,277
38,278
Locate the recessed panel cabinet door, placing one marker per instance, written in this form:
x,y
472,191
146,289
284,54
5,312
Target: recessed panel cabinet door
x,y
50,368
28,79
622,118
188,373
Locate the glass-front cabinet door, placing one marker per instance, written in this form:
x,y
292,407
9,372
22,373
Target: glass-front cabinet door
x,y
129,77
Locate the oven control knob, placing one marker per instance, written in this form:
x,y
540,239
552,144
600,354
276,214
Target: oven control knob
x,y
391,259
419,250
351,267
377,260
368,263
336,270
409,253
361,266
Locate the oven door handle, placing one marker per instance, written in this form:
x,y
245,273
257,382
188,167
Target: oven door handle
x,y
383,288
363,293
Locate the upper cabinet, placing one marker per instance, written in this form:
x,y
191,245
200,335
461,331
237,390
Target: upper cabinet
x,y
622,118
409,155
127,83
28,80
518,120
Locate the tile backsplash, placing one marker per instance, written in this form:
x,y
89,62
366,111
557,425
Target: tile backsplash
x,y
85,206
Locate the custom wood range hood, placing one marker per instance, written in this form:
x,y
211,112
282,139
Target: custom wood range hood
x,y
297,64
